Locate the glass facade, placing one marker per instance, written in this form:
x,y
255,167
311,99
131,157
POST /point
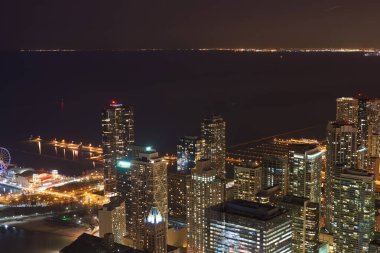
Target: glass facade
x,y
117,134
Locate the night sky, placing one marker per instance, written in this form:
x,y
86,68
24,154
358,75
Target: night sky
x,y
125,24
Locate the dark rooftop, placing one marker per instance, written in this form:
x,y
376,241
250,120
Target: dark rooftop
x,y
249,209
87,243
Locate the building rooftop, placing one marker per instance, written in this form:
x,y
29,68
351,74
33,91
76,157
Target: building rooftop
x,y
115,202
290,199
249,209
87,243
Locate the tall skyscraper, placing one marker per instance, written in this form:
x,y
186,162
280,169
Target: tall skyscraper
x,y
178,190
146,187
362,119
347,110
189,150
341,152
117,134
244,226
373,113
213,131
112,220
247,181
305,165
206,189
354,210
155,232
305,223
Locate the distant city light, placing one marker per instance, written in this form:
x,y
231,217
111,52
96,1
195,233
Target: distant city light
x,y
148,149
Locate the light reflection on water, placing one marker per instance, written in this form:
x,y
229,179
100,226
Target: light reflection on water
x,y
16,240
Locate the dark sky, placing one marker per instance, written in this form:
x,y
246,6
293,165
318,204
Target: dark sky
x,y
125,24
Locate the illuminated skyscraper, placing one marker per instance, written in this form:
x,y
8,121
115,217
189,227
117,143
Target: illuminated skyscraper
x,y
354,211
178,190
341,152
155,232
373,112
347,110
247,181
206,190
189,150
213,131
242,226
117,134
273,158
305,223
362,119
146,188
112,220
305,165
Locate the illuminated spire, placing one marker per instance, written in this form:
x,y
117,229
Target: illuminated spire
x,y
154,216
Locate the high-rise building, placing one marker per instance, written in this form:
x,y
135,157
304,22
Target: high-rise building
x,y
373,113
189,150
362,119
341,152
117,134
354,211
146,187
305,165
178,190
347,110
206,189
245,226
247,181
273,158
305,223
112,220
213,131
155,232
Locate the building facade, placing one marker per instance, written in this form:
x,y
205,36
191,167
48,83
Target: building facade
x,y
155,232
145,187
117,134
305,223
244,226
305,166
213,132
112,220
206,189
190,149
347,109
354,211
341,151
248,181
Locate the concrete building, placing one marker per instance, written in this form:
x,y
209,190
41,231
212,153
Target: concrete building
x,y
155,232
244,226
305,223
354,211
340,153
112,220
248,181
145,187
206,189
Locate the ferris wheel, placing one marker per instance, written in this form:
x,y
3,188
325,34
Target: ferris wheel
x,y
5,159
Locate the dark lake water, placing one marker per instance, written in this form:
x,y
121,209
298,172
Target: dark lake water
x,y
14,240
258,94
